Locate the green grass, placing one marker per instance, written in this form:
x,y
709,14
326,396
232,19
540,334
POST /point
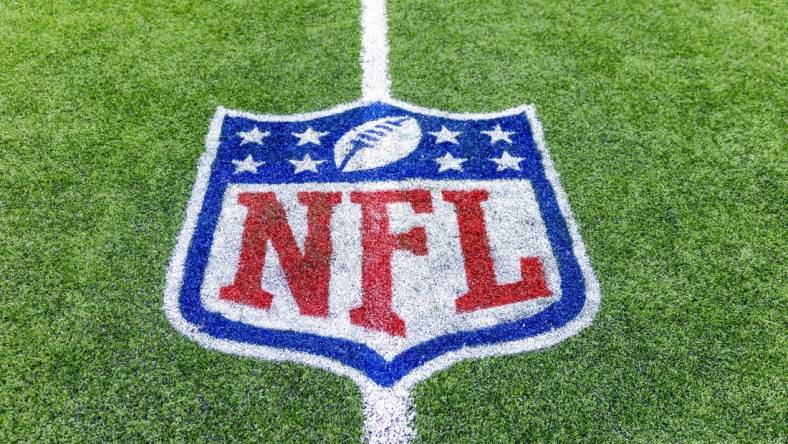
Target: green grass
x,y
666,122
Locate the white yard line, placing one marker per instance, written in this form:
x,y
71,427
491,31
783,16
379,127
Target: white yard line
x,y
375,81
388,413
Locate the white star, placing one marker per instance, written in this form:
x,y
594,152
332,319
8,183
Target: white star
x,y
248,164
306,164
499,134
445,135
253,136
507,161
309,136
449,162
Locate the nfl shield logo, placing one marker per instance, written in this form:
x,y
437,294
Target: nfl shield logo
x,y
382,241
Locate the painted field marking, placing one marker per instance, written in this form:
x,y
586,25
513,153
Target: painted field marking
x,y
375,81
379,240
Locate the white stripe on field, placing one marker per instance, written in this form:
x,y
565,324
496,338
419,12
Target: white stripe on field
x,y
375,82
388,413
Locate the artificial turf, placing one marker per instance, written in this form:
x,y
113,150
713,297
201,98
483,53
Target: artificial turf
x,y
666,121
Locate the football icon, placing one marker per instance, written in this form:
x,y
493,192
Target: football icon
x,y
377,143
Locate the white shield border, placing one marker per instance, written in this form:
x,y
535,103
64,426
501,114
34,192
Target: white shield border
x,y
175,270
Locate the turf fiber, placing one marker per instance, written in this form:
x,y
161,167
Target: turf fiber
x,y
666,121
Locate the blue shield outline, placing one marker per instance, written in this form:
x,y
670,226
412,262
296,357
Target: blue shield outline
x,y
575,309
